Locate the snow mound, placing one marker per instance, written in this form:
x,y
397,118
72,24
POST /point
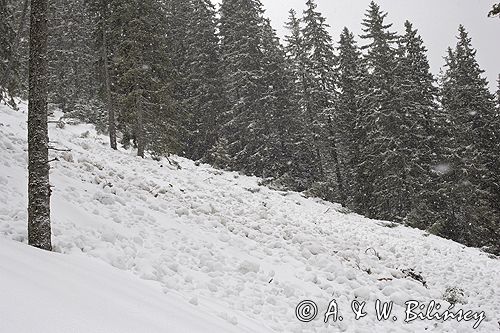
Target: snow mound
x,y
237,250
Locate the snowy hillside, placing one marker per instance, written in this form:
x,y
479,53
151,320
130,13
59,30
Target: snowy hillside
x,y
44,292
230,254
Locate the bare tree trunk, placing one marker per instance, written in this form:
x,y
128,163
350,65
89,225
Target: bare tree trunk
x,y
140,126
10,63
104,54
39,232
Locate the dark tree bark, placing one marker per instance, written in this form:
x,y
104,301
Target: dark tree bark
x,y
104,54
39,232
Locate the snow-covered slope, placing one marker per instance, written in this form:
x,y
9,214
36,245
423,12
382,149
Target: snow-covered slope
x,y
231,248
47,292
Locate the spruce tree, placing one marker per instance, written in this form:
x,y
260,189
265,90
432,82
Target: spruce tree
x,y
286,148
71,55
6,34
202,84
307,164
274,118
179,14
318,96
262,129
141,76
472,215
419,129
427,145
294,48
21,53
12,74
108,97
240,31
8,82
104,104
380,155
295,54
349,112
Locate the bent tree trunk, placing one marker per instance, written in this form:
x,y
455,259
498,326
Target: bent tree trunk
x,y
39,232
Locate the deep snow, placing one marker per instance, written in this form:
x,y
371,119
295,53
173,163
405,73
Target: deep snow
x,y
218,244
47,292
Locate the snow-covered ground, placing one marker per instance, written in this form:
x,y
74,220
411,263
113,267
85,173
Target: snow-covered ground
x,y
228,253
47,292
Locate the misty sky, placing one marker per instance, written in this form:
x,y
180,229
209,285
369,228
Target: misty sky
x,y
436,20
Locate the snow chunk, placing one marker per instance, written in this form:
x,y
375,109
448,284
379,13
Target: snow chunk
x,y
248,267
104,198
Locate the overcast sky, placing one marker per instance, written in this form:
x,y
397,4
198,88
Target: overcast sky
x,y
436,20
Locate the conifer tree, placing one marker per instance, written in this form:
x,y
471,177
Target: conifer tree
x,y
8,82
294,49
308,166
274,119
349,112
103,107
318,96
179,13
240,31
108,97
19,70
70,53
380,155
472,214
427,145
202,84
418,125
286,148
141,76
435,206
296,56
20,10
